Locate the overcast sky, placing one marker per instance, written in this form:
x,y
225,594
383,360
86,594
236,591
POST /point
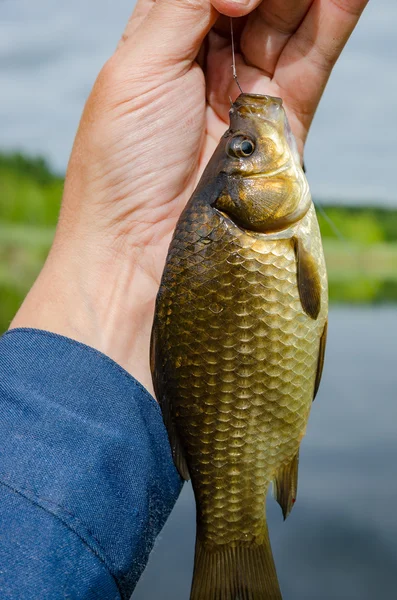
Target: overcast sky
x,y
51,52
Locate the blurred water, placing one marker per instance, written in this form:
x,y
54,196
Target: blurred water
x,y
51,52
340,541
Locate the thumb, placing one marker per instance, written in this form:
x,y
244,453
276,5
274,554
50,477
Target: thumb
x,y
170,33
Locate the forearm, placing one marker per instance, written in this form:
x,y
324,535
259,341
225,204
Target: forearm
x,y
99,296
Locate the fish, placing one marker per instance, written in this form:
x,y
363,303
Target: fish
x,y
238,343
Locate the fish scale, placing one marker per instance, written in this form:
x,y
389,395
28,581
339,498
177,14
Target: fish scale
x,y
236,351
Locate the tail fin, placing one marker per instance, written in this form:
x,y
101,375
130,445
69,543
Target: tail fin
x,y
234,573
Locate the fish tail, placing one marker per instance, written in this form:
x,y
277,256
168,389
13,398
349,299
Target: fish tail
x,y
241,572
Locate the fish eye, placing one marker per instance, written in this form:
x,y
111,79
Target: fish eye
x,y
240,146
247,147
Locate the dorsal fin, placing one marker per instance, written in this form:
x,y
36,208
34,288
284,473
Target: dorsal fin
x,y
320,364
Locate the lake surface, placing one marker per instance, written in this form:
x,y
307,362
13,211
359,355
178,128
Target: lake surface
x,y
340,541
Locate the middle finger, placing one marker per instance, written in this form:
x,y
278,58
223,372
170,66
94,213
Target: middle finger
x,y
269,28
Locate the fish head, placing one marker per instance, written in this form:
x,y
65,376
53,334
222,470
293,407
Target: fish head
x,y
265,188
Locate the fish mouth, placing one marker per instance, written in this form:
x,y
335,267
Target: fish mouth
x,y
269,174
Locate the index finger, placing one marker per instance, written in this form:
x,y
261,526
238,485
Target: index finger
x,y
307,60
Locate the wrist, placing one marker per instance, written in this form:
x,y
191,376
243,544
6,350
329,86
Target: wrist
x,y
99,297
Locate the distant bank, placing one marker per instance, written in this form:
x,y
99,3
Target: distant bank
x,y
360,242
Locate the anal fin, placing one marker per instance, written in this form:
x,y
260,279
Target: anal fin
x,y
285,485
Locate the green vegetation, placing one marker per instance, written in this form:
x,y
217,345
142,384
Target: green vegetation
x,y
360,247
29,192
30,196
361,259
366,226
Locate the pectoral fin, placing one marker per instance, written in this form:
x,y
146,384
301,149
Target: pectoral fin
x,y
308,277
285,485
320,364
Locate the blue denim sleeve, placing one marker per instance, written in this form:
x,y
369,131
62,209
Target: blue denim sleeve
x,y
86,474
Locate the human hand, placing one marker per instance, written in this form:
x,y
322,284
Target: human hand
x,y
150,125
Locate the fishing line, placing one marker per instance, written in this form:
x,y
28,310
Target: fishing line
x,y
330,222
234,57
359,263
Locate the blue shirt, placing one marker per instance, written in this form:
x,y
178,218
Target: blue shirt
x,y
86,473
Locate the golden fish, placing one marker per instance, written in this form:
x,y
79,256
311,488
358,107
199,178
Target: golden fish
x,y
238,344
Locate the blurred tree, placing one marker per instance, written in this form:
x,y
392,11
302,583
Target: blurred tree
x,y
30,196
29,192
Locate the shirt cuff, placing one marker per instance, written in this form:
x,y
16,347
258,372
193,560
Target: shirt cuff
x,y
85,441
